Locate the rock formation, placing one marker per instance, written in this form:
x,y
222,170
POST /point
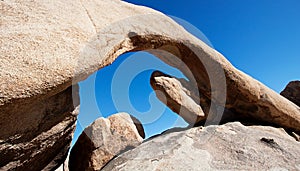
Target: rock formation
x,y
46,51
182,98
48,130
224,147
292,92
103,140
77,33
178,98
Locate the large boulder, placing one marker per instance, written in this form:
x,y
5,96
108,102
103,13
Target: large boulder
x,y
103,140
232,146
292,92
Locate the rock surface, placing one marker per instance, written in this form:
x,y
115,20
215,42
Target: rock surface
x,y
40,42
292,92
105,139
177,97
53,122
47,50
225,147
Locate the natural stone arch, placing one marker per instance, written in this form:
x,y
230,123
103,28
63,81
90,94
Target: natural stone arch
x,y
172,52
243,94
134,28
40,51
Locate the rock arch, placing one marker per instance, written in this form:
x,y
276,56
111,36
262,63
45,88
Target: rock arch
x,y
47,50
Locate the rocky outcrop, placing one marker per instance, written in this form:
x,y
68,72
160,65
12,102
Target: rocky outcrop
x,y
292,92
79,34
103,140
181,98
179,95
174,95
46,144
225,147
47,50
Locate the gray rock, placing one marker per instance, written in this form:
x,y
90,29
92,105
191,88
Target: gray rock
x,y
292,92
103,140
225,147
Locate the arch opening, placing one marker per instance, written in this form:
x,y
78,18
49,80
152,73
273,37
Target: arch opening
x,y
155,116
185,56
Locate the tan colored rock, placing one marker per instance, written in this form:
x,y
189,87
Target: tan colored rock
x,y
292,92
40,42
47,50
105,139
174,95
232,146
180,96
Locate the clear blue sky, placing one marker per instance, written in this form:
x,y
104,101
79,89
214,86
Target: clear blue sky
x,y
259,37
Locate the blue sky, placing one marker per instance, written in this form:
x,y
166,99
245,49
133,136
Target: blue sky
x,y
259,37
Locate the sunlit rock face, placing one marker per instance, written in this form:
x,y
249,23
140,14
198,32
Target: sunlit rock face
x,y
179,96
103,140
232,146
46,51
176,97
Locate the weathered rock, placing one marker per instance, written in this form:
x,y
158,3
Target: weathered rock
x,y
179,95
292,92
103,140
225,147
46,146
85,41
176,97
79,34
46,50
172,90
